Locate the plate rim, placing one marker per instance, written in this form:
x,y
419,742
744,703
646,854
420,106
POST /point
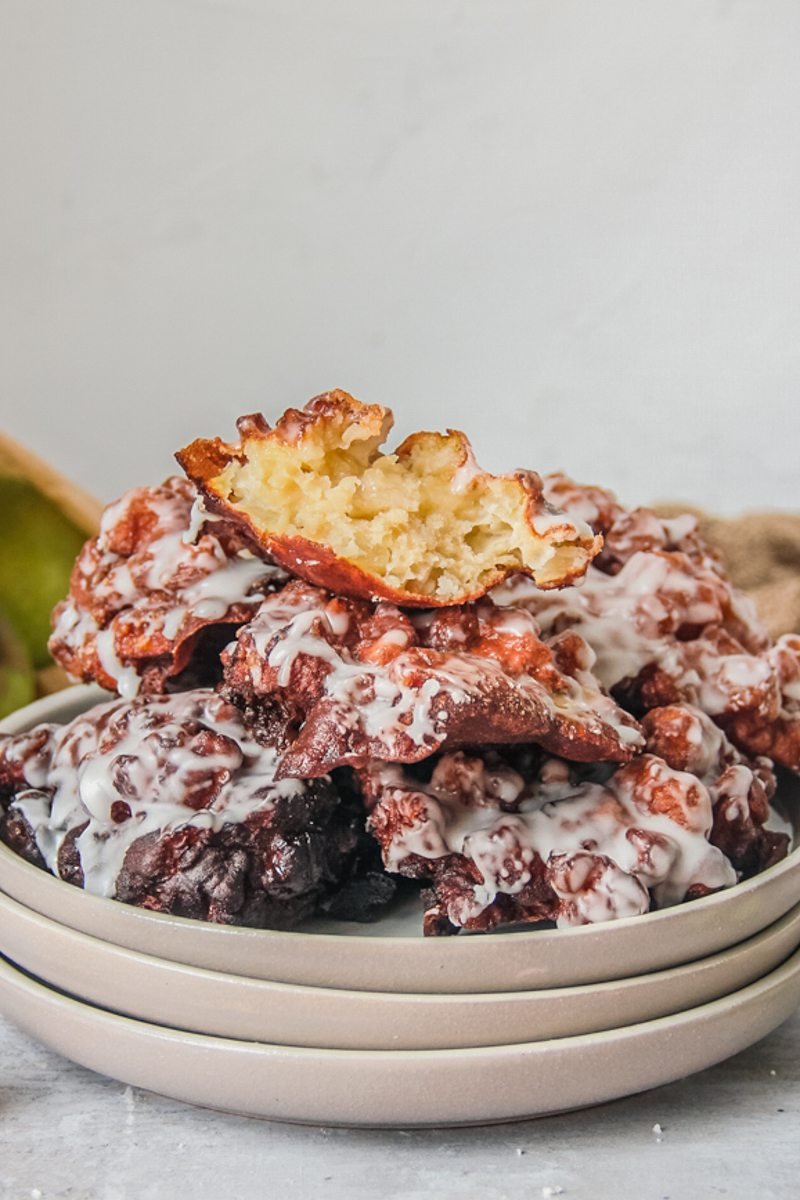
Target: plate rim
x,y
400,1088
788,969
436,999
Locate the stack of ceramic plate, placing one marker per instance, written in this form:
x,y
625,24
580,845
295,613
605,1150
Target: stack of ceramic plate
x,y
374,1025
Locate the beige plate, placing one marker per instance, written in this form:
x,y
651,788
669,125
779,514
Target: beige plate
x,y
387,956
396,1087
151,989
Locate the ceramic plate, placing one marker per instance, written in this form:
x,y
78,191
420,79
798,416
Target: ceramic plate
x,y
151,989
396,1087
386,957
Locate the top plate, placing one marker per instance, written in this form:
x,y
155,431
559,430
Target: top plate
x,y
392,955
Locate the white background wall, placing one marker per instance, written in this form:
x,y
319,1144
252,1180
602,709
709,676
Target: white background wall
x,y
568,226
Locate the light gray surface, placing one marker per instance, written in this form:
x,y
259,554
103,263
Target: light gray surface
x,y
570,227
728,1132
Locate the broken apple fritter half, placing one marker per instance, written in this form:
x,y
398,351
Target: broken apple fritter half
x,y
422,527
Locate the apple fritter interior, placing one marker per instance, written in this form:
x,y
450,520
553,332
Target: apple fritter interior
x,y
421,526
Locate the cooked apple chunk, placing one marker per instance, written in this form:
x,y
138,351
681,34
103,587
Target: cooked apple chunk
x,y
423,526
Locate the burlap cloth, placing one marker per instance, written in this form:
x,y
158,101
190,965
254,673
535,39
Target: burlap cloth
x,y
761,552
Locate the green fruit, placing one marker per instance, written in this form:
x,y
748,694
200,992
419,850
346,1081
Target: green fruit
x,y
38,545
17,679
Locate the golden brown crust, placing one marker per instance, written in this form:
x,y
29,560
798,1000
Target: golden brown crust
x,y
144,599
243,848
690,636
556,551
508,836
363,682
204,458
336,405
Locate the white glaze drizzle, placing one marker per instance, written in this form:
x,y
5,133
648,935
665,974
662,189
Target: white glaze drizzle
x,y
469,470
376,698
629,619
198,517
126,678
591,890
171,578
558,818
90,768
546,519
381,699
